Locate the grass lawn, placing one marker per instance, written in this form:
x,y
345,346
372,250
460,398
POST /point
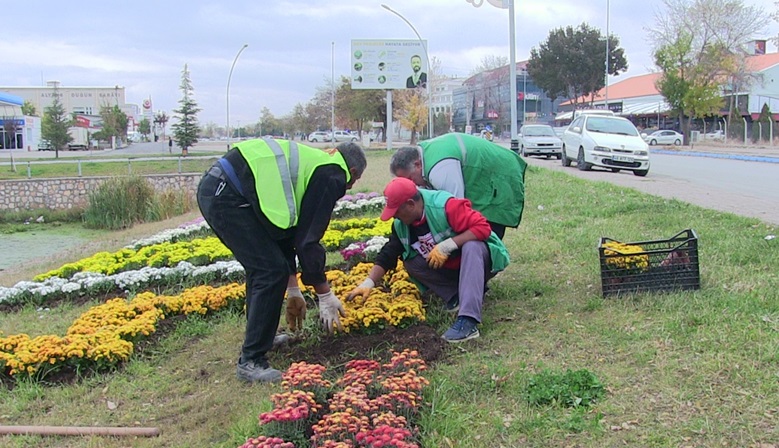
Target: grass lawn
x,y
695,368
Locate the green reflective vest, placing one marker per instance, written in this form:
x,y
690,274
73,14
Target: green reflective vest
x,y
435,214
281,171
494,176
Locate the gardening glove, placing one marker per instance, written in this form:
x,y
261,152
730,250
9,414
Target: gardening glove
x,y
296,309
330,308
363,290
440,253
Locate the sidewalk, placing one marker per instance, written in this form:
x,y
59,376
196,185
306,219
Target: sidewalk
x,y
769,154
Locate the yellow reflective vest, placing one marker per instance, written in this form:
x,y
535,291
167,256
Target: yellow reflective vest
x,y
282,170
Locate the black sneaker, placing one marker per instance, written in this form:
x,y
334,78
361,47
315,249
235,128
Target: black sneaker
x,y
464,328
453,305
257,372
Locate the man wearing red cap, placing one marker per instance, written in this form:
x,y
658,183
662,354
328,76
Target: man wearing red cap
x,y
489,175
445,245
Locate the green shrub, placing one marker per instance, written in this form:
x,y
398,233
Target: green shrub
x,y
571,389
124,201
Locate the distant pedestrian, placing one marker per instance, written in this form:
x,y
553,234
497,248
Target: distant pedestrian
x,y
170,145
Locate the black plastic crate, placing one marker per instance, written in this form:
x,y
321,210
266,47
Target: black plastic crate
x,y
663,265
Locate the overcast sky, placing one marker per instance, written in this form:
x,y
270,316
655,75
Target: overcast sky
x,y
143,45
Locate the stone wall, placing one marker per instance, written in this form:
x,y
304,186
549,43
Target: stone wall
x,y
69,192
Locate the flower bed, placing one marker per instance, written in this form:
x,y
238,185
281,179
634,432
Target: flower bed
x,y
370,405
394,302
105,335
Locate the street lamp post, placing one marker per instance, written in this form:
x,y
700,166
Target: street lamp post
x,y
332,91
429,73
607,56
502,4
229,136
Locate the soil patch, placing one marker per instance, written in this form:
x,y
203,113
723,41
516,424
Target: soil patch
x,y
335,351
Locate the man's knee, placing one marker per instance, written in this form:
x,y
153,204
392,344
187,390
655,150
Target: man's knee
x,y
474,248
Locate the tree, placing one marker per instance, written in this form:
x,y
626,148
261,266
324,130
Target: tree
x,y
28,108
55,124
144,127
414,111
160,121
714,33
570,63
685,85
489,62
186,129
356,107
114,122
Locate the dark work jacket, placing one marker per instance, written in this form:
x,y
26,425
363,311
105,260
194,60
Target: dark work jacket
x,y
326,186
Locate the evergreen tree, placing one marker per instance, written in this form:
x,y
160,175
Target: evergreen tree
x,y
186,130
55,124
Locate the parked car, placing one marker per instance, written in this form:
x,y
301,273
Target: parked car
x,y
719,134
609,142
663,138
539,140
319,136
45,145
344,136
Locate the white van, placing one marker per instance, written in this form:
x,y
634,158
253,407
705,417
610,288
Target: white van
x,y
593,112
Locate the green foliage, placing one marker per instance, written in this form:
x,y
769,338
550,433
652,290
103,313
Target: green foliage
x,y
688,80
144,127
570,389
186,130
761,129
114,123
570,62
124,201
28,108
735,125
55,124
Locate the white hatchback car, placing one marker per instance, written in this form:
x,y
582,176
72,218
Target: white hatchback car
x,y
319,136
609,142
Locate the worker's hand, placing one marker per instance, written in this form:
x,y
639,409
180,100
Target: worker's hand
x,y
330,311
296,309
440,253
363,290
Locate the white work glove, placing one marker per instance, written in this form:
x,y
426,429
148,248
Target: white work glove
x,y
363,290
440,253
330,311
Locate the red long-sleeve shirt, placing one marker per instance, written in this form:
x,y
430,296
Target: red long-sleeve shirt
x,y
460,216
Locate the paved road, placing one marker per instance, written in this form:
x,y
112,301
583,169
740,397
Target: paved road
x,y
747,188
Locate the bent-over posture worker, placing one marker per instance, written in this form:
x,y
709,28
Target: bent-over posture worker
x,y
490,176
268,201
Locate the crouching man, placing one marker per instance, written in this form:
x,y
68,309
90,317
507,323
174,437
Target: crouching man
x,y
445,245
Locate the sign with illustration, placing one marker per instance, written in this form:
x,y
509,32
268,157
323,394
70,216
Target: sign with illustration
x,y
389,64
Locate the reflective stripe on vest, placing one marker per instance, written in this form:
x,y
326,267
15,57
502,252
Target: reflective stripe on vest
x,y
463,151
287,181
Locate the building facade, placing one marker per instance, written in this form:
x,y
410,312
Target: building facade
x,y
485,100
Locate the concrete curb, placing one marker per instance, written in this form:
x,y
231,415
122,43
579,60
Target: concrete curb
x,y
747,158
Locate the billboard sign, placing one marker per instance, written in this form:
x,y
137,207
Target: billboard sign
x,y
388,64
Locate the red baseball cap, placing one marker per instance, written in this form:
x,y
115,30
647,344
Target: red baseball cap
x,y
397,191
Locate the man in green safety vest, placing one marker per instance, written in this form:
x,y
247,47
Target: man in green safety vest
x,y
490,176
270,201
445,246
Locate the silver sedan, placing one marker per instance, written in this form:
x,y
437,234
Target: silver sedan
x,y
539,140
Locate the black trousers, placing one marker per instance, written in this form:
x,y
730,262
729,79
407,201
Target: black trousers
x,y
268,263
